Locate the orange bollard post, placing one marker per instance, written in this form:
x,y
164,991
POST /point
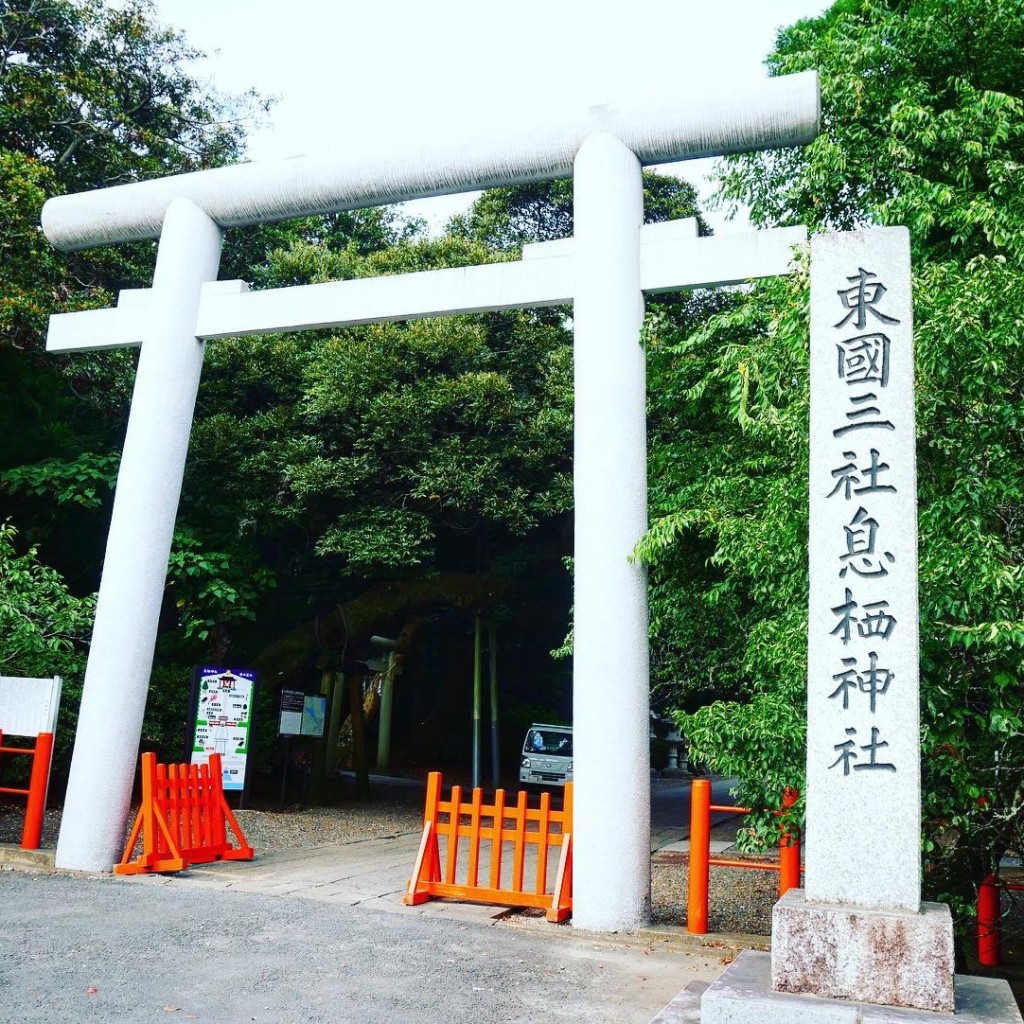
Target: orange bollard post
x,y
700,854
989,933
789,850
32,830
789,863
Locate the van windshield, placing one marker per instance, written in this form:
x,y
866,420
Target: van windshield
x,y
547,741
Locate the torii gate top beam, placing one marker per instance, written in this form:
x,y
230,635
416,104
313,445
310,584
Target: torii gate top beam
x,y
779,112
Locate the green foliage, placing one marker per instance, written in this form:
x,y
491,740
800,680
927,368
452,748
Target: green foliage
x,y
42,626
101,93
212,589
163,730
44,631
85,480
923,125
33,276
728,471
397,447
725,732
506,218
91,94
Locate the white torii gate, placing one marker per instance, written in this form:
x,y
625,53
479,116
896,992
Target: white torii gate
x,y
603,271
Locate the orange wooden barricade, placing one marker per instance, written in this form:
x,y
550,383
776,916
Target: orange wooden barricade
x,y
498,823
788,865
183,819
41,753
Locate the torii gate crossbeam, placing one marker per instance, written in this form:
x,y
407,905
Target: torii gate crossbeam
x,y
604,269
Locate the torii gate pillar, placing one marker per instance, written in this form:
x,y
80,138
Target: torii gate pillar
x,y
142,525
611,877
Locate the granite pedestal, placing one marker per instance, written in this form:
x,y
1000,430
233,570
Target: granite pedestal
x,y
743,993
891,957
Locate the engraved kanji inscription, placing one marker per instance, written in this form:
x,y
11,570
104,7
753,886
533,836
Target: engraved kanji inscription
x,y
874,681
861,299
860,416
860,556
875,621
847,753
864,358
851,479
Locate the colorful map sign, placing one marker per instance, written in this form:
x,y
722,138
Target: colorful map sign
x,y
314,713
223,716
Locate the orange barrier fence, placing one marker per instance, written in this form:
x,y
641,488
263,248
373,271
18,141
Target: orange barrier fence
x,y
505,828
788,865
41,753
990,938
183,819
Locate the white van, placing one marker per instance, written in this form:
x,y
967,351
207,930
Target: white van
x,y
547,755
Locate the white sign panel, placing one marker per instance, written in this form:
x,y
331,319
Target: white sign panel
x,y
223,716
293,703
28,706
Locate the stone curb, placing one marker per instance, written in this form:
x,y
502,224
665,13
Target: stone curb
x,y
14,857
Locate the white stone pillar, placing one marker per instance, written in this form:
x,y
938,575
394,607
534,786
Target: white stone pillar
x,y
135,565
863,721
611,826
859,930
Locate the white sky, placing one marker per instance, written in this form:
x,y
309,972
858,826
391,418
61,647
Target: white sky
x,y
348,73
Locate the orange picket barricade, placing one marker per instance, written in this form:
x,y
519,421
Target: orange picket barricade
x,y
41,753
183,819
519,826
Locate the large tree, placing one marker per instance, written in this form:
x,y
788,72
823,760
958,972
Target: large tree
x,y
91,94
397,452
104,94
923,125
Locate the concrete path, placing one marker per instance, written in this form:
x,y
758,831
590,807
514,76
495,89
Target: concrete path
x,y
302,939
318,934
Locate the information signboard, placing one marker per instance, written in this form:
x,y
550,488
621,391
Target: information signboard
x,y
292,704
223,715
314,712
28,706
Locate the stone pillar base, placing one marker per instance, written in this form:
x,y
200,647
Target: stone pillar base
x,y
890,957
743,995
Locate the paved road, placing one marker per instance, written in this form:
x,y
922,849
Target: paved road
x,y
670,803
114,950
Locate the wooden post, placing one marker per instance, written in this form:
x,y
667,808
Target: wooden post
x,y
387,693
319,759
337,706
355,696
477,683
492,654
